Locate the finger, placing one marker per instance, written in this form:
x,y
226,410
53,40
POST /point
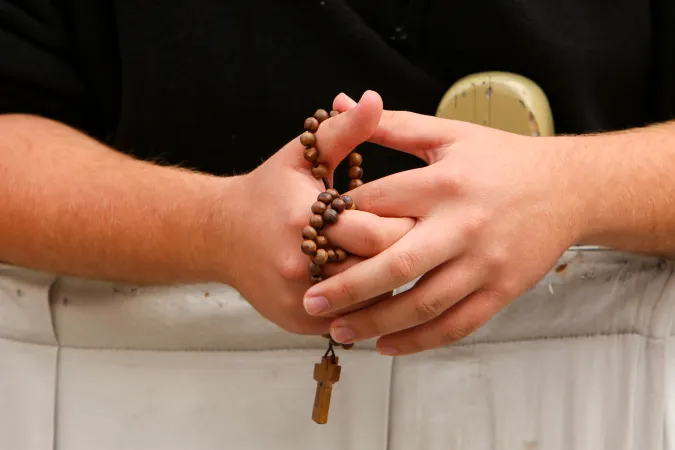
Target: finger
x,y
412,193
359,306
338,136
452,326
364,234
343,102
417,134
437,292
409,258
332,269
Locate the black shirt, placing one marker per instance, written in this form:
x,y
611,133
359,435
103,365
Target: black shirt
x,y
220,85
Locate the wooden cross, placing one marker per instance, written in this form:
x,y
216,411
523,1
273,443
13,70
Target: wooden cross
x,y
325,373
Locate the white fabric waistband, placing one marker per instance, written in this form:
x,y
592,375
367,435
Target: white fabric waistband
x,y
590,292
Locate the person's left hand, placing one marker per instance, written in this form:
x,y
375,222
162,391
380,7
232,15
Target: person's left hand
x,y
494,211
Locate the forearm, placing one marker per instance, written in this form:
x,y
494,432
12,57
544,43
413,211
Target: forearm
x,y
73,206
630,177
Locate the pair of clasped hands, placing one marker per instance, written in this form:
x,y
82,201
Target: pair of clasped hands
x,y
481,223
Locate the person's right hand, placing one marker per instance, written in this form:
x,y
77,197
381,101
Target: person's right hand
x,y
269,268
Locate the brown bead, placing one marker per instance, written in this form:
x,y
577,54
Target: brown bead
x,y
321,115
354,184
316,221
330,216
338,205
319,207
349,201
316,279
322,242
334,113
355,159
348,346
321,257
314,269
311,124
311,154
309,247
333,192
341,254
325,197
355,172
320,171
332,256
309,233
307,139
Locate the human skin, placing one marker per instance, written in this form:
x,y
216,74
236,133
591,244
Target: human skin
x,y
493,213
73,206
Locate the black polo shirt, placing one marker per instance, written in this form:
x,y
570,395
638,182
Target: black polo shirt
x,y
220,85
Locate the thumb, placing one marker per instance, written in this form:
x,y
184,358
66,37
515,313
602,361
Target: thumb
x,y
339,135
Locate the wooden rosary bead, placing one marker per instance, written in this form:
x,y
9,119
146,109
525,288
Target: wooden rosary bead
x,y
354,184
309,233
348,346
330,216
355,159
355,172
334,113
309,248
321,257
316,221
314,269
338,205
319,207
341,254
311,154
307,139
325,197
349,201
332,256
311,124
334,193
321,115
320,171
316,279
322,242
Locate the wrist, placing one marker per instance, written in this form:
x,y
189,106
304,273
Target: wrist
x,y
601,166
223,225
580,189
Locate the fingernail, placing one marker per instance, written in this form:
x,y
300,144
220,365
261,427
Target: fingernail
x,y
388,351
314,305
343,334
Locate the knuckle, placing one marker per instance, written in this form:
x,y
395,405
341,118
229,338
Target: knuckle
x,y
403,267
450,181
507,288
497,258
428,307
292,267
373,240
372,197
348,293
456,332
474,225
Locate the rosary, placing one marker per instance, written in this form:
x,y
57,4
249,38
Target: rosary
x,y
325,211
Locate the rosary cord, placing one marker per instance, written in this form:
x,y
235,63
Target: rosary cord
x,y
327,208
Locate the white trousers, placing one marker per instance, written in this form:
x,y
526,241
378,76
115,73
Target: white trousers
x,y
583,361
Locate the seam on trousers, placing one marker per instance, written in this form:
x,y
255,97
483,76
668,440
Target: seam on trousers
x,y
390,397
51,297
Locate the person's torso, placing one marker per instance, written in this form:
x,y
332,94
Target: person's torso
x,y
221,85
